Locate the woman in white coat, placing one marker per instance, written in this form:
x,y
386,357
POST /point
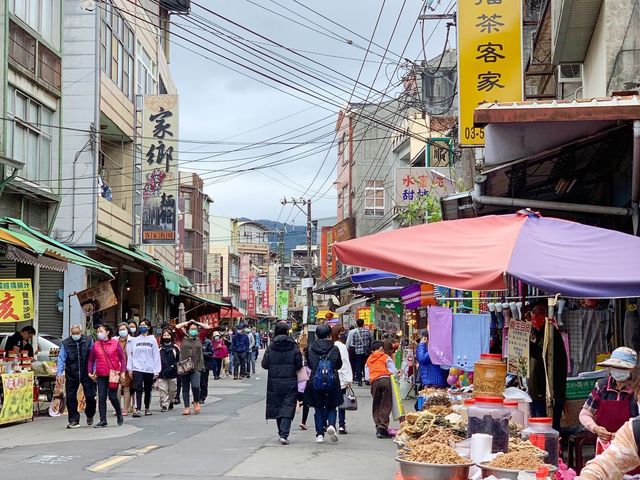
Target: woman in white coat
x,y
345,373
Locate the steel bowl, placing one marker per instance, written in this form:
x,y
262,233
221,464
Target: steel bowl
x,y
507,473
432,471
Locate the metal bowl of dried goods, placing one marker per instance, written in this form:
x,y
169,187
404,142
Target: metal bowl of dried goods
x,y
433,471
507,473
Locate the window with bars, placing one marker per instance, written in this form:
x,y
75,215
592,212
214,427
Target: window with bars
x,y
22,47
117,49
49,67
374,198
29,136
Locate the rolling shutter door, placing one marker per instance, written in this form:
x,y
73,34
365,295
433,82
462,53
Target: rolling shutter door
x,y
50,318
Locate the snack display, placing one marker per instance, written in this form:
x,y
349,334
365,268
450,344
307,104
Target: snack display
x,y
436,453
519,445
517,461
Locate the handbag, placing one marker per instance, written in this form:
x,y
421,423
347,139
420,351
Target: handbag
x,y
350,402
185,366
114,375
303,375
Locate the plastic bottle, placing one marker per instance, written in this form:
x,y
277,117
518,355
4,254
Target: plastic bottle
x,y
489,416
541,433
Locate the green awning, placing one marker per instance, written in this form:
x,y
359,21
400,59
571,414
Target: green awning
x,y
44,245
173,281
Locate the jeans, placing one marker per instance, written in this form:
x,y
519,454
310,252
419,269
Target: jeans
x,y
358,372
192,380
143,381
103,392
252,362
342,414
71,394
284,427
178,389
324,417
204,385
217,368
231,362
239,364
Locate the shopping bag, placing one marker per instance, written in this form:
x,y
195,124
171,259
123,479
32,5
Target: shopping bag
x,y
350,402
114,379
397,409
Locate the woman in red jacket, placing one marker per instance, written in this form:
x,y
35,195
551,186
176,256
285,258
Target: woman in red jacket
x,y
106,356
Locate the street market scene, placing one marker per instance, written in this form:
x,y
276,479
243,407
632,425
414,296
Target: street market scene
x,y
287,239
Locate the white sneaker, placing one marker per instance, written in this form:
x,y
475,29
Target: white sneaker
x,y
284,441
333,435
319,439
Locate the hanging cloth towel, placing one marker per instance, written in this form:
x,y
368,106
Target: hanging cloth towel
x,y
440,325
470,338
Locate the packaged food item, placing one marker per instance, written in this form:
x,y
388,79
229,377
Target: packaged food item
x,y
489,376
488,415
541,433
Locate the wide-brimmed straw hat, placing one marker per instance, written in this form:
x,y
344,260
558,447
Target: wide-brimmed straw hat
x,y
622,357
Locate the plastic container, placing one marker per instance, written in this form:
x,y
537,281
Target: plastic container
x,y
517,416
541,433
489,415
489,374
464,410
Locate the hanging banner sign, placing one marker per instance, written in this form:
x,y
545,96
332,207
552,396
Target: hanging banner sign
x,y
489,59
245,281
159,169
18,397
283,304
251,300
415,182
518,347
16,300
98,298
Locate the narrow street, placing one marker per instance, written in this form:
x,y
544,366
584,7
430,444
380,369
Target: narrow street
x,y
229,439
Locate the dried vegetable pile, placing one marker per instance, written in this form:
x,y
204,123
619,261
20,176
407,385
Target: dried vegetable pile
x,y
435,453
519,445
517,461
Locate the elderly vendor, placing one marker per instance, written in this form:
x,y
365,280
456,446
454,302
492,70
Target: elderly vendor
x,y
612,402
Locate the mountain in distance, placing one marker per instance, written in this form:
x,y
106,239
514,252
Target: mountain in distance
x,y
295,235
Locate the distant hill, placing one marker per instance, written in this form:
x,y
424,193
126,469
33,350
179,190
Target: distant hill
x,y
295,235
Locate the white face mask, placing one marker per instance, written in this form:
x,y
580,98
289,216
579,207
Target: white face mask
x,y
619,375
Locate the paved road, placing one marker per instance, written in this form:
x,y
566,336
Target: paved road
x,y
229,439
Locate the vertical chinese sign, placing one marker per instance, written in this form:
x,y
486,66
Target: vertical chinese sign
x,y
159,169
16,300
489,59
283,304
251,301
244,278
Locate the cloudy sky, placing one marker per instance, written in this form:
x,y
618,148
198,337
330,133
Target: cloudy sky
x,y
241,118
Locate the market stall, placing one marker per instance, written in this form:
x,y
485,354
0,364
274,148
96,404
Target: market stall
x,y
523,263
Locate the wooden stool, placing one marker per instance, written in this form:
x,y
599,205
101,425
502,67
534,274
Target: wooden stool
x,y
576,443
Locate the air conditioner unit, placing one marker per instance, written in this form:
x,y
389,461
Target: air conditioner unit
x,y
570,73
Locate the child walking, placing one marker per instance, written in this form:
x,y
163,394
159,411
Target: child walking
x,y
380,367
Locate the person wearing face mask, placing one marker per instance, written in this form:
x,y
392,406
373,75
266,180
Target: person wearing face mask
x,y
220,352
612,402
106,356
124,392
169,358
133,328
143,362
191,347
72,364
547,382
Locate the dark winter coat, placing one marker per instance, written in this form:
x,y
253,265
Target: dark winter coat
x,y
333,398
207,353
282,360
169,358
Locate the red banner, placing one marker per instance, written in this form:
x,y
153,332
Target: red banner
x,y
245,281
212,320
251,301
265,298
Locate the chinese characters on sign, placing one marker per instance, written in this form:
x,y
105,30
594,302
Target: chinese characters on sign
x,y
283,304
251,300
96,299
159,169
16,300
245,281
18,397
365,313
518,347
489,58
413,183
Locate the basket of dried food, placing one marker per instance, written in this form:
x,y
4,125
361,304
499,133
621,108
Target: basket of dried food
x,y
433,461
509,465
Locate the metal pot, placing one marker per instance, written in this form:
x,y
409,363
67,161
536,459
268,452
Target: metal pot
x,y
507,473
432,471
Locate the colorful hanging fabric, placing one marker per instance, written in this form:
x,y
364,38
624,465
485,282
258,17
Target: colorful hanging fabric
x,y
440,332
470,338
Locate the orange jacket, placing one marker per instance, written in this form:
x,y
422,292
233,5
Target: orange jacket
x,y
377,365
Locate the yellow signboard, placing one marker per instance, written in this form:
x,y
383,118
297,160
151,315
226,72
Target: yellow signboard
x,y
18,397
489,59
16,300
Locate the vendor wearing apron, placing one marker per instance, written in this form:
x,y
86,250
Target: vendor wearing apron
x,y
612,402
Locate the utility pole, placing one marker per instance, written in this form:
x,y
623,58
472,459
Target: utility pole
x,y
309,273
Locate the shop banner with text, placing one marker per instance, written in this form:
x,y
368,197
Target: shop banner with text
x,y
282,310
18,397
489,59
98,298
245,281
251,300
159,169
518,347
16,300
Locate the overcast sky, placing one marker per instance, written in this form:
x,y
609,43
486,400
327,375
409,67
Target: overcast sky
x,y
218,104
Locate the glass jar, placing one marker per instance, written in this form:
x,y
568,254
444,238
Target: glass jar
x,y
488,415
517,416
541,433
489,374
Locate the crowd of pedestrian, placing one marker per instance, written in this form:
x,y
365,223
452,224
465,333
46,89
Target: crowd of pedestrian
x,y
125,367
